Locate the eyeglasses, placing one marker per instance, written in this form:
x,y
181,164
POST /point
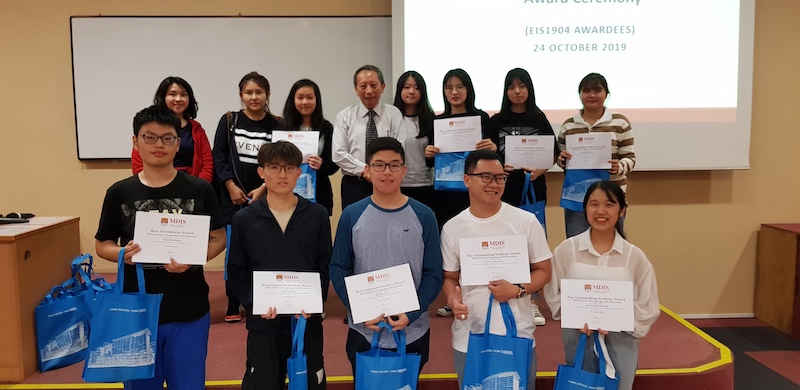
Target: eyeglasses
x,y
275,168
380,167
488,177
166,139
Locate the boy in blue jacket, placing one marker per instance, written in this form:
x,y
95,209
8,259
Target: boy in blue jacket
x,y
279,232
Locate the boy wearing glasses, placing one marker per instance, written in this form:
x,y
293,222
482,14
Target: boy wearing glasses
x,y
384,230
279,232
184,318
488,216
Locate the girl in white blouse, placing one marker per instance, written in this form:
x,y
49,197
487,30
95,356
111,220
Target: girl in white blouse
x,y
602,253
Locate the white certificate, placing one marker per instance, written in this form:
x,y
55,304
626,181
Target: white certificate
x,y
602,304
530,151
388,291
306,141
457,134
589,151
183,237
288,292
484,259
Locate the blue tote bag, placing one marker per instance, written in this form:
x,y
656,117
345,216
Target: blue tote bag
x,y
297,365
383,369
574,378
62,328
529,203
307,183
448,171
576,182
498,362
124,332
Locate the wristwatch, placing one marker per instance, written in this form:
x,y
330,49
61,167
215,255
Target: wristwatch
x,y
522,291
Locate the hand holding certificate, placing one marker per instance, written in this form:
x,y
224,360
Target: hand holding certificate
x,y
484,259
183,237
530,151
387,291
589,151
602,304
288,292
306,141
459,134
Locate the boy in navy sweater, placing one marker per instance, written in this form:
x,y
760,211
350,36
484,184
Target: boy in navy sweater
x,y
384,230
279,232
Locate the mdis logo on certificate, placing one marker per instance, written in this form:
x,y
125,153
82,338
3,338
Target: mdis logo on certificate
x,y
389,291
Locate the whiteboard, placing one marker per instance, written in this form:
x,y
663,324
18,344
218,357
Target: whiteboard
x,y
118,63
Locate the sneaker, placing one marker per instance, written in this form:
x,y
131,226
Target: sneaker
x,y
233,315
538,318
444,311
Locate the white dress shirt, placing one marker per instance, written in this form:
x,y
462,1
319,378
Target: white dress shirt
x,y
350,131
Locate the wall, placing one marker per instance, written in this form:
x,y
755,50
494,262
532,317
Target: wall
x,y
698,228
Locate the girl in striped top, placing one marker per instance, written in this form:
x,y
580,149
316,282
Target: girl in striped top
x,y
595,117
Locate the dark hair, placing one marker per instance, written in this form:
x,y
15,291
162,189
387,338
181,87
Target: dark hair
x,y
282,151
293,117
469,102
531,109
258,79
161,96
385,143
593,80
424,110
614,194
371,68
476,155
157,114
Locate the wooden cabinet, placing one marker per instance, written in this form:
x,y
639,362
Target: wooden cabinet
x,y
776,297
33,257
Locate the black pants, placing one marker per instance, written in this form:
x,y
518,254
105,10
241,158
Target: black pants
x,y
354,189
357,343
267,353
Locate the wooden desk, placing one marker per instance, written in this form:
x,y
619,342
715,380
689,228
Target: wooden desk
x,y
777,302
34,257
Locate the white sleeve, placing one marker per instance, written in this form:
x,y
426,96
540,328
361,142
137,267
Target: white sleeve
x,y
552,290
450,260
646,307
341,145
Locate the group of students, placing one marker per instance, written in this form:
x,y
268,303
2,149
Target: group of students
x,y
391,215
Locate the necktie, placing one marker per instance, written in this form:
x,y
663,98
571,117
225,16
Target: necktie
x,y
372,130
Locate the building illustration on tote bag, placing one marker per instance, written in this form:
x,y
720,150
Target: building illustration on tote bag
x,y
499,381
577,191
451,172
133,350
66,343
305,186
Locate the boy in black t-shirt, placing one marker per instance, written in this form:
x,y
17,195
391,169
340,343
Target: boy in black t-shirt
x,y
184,318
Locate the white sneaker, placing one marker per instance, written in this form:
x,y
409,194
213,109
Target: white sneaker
x,y
538,318
444,311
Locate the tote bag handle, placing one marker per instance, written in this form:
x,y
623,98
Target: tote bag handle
x,y
399,338
525,187
298,335
508,318
121,274
606,366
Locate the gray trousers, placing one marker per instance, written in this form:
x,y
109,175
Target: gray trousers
x,y
460,360
622,348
